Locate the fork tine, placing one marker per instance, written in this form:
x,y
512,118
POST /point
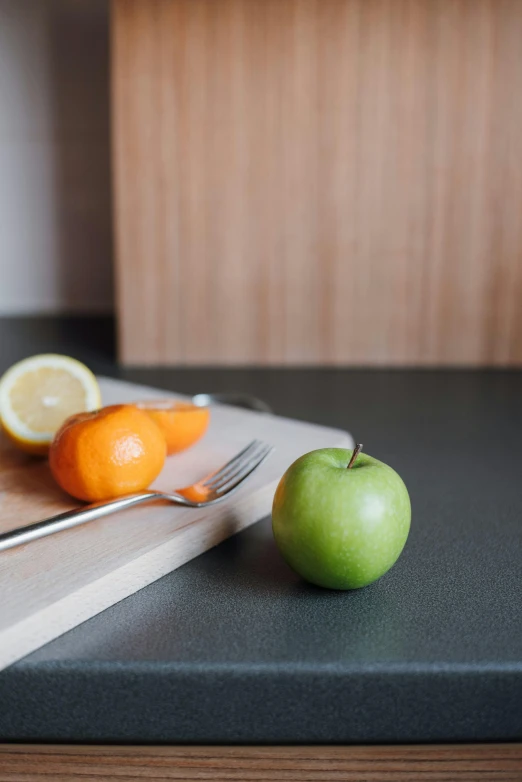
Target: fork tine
x,y
227,475
244,471
211,479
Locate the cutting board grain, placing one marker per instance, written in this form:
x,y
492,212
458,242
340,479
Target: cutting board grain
x,y
422,763
54,584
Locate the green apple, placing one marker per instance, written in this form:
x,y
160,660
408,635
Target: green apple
x,y
340,518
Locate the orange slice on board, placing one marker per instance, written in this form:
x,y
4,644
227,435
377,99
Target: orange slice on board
x,y
182,423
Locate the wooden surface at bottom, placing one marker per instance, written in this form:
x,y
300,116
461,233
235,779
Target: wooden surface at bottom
x,y
437,763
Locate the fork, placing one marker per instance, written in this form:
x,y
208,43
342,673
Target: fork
x,y
208,491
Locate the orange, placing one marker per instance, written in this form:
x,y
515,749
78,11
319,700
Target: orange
x,y
182,423
104,454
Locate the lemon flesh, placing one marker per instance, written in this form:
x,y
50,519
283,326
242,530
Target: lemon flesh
x,y
39,393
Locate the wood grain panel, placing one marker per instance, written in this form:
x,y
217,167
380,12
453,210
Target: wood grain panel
x,y
318,181
456,763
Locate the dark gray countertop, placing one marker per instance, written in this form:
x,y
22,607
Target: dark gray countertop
x,y
234,648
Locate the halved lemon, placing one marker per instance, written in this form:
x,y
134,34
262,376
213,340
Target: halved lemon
x,y
39,393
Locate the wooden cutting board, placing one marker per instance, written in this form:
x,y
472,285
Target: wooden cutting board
x,y
53,584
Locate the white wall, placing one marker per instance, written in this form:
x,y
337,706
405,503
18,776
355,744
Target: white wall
x,y
55,219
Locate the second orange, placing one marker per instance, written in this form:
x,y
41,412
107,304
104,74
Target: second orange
x,y
182,423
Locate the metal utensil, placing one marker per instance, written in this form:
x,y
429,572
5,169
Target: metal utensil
x,y
237,399
208,491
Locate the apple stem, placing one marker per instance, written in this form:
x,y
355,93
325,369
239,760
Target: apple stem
x,y
356,451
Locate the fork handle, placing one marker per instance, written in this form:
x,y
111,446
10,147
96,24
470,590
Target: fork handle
x,y
71,518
